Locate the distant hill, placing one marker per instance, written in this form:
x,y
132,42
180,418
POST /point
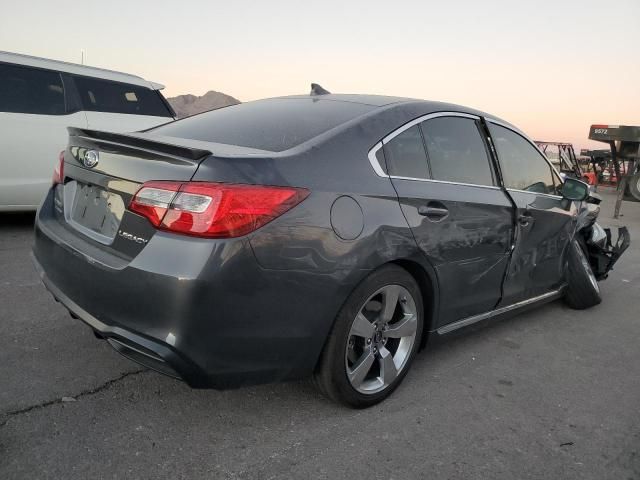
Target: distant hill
x,y
186,105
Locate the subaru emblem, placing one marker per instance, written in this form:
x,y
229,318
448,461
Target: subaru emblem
x,y
91,158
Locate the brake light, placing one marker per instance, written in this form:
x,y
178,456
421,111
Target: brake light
x,y
58,170
213,210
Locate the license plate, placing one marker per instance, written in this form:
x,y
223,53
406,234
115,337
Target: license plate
x,y
97,210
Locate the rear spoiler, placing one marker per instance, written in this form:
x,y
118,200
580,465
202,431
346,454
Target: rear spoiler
x,y
141,143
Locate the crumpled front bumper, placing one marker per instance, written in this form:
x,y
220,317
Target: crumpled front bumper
x,y
603,252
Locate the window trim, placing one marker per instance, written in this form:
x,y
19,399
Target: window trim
x,y
532,143
424,148
374,161
423,118
380,171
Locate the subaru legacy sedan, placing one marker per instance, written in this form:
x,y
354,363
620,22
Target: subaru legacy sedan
x,y
324,236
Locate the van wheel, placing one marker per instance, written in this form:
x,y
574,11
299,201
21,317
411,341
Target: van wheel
x,y
583,290
374,339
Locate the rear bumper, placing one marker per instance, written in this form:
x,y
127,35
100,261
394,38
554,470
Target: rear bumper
x,y
200,310
150,353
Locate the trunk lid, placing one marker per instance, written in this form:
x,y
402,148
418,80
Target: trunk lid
x,y
133,157
102,172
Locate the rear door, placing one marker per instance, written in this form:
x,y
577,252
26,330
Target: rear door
x,y
545,221
121,107
461,219
35,111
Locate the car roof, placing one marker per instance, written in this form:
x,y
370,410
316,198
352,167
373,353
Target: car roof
x,y
74,68
373,100
390,113
412,107
427,106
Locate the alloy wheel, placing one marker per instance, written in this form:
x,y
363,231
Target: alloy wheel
x,y
381,339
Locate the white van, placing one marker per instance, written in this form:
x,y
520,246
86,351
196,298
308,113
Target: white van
x,y
40,98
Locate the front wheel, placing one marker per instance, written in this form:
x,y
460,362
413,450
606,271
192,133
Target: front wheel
x,y
634,186
583,290
374,339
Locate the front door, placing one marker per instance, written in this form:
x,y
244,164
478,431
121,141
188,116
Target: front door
x,y
460,218
545,221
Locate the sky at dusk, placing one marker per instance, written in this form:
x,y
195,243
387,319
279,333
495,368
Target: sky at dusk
x,y
551,67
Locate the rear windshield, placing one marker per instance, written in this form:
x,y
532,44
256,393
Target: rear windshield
x,y
274,125
99,95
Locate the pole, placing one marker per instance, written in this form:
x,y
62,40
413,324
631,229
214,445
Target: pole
x,y
622,182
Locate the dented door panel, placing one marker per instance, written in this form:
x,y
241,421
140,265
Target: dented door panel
x,y
544,228
468,247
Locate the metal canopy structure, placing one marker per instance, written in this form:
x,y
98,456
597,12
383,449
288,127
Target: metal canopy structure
x,y
624,142
565,158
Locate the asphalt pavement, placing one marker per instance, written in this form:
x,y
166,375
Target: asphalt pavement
x,y
550,394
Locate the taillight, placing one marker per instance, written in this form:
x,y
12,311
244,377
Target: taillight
x,y
214,210
58,170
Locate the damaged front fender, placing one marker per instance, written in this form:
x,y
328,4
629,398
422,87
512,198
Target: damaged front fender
x,y
603,253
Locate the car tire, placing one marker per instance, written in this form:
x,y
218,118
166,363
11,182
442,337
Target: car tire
x,y
374,339
583,290
634,186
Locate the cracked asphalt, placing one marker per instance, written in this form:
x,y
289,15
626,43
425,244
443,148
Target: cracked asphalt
x,y
551,393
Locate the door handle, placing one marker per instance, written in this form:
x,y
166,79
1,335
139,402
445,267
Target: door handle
x,y
525,219
433,213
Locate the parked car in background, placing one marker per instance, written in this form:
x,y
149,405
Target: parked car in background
x,y
40,98
324,235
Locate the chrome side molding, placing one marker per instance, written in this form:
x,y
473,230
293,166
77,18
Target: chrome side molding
x,y
493,313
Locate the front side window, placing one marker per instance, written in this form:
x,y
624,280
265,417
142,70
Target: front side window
x,y
115,97
30,90
456,151
405,155
523,167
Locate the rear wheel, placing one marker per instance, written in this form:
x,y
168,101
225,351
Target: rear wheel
x,y
583,290
375,337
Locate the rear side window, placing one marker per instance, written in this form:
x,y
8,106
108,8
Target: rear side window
x,y
456,151
275,124
31,90
115,97
523,167
405,155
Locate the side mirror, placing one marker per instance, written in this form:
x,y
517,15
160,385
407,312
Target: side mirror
x,y
574,189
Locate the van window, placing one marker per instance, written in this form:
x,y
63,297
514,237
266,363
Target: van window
x,y
30,90
115,97
405,155
456,151
523,167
